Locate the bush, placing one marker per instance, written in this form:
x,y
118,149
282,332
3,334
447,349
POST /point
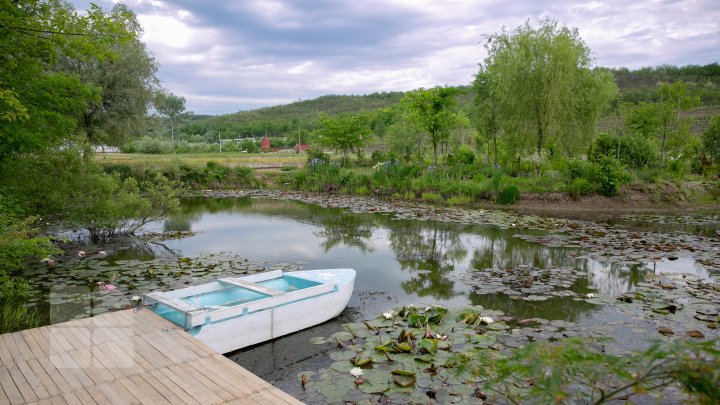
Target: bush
x,y
431,197
508,195
583,169
377,156
610,176
635,151
579,187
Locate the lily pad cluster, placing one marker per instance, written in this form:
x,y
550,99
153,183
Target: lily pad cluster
x,y
525,282
77,287
414,355
677,305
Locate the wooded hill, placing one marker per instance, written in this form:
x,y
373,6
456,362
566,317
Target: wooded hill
x,y
635,86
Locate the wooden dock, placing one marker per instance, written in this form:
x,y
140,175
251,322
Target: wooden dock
x,y
125,357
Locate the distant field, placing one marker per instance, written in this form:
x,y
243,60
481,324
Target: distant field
x,y
700,119
231,159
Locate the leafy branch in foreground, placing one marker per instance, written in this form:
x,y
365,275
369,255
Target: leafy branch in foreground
x,y
579,370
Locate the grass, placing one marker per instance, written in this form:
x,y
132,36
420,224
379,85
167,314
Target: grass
x,y
229,159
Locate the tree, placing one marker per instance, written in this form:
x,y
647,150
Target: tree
x,y
711,139
171,107
432,108
545,86
126,80
487,111
345,133
40,107
673,99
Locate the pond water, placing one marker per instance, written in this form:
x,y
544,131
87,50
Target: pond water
x,y
398,262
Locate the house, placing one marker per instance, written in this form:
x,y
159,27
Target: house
x,y
265,144
301,147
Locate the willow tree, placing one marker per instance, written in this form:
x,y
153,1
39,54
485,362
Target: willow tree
x,y
432,108
545,86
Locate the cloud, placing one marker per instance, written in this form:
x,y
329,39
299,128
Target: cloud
x,y
229,56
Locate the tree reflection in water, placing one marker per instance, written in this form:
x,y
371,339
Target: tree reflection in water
x,y
417,257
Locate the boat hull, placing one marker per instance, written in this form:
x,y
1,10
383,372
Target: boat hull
x,y
256,327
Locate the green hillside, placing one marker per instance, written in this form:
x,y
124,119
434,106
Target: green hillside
x,y
635,86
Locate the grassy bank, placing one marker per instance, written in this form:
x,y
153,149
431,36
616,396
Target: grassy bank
x,y
465,183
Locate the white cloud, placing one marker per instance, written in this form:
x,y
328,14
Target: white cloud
x,y
227,56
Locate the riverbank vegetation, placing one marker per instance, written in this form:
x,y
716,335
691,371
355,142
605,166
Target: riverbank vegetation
x,y
530,122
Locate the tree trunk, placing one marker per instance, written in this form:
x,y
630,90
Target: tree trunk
x,y
539,151
662,147
435,145
495,152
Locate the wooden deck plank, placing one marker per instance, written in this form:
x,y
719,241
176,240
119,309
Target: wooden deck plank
x,y
32,344
210,384
148,390
85,398
121,358
12,349
170,394
22,385
61,382
196,391
33,380
8,385
44,378
162,376
22,346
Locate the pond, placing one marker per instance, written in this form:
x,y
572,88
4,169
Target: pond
x,y
398,262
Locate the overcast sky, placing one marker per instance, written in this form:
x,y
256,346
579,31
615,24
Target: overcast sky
x,y
226,56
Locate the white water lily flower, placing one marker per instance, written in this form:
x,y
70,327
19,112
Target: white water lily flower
x,y
427,308
388,315
486,319
356,372
135,298
590,295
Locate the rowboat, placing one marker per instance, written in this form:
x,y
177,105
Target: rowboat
x,y
235,312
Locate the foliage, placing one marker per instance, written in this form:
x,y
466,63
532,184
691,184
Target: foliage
x,y
711,139
18,242
172,107
580,371
432,110
580,187
344,133
78,192
126,80
610,176
508,195
545,88
639,85
634,151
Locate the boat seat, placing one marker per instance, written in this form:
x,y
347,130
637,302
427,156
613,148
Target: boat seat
x,y
172,302
251,286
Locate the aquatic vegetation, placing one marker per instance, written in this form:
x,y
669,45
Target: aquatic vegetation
x,y
435,355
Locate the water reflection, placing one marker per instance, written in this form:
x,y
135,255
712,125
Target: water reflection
x,y
406,261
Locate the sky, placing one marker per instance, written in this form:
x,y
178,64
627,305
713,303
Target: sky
x,y
233,55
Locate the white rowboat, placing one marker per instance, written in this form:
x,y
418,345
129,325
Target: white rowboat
x,y
235,312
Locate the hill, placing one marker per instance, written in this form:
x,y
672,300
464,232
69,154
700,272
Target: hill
x,y
635,86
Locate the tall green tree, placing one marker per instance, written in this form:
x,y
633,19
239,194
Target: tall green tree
x,y
673,99
545,85
126,80
433,109
345,133
486,111
171,107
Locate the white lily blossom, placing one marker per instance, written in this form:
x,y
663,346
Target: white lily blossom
x,y
356,372
388,315
486,319
590,295
135,298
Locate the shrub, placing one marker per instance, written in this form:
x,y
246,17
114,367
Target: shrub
x,y
610,176
635,151
508,195
377,156
459,200
431,197
579,187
